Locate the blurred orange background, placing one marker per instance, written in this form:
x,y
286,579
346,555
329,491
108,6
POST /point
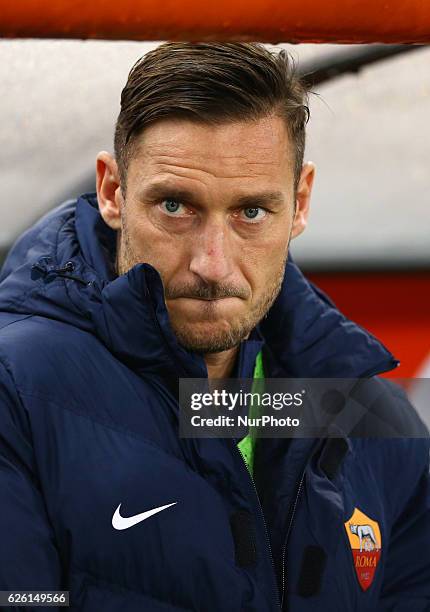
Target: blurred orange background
x,y
395,307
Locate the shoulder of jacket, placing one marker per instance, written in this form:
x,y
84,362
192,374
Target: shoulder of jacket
x,y
388,412
36,351
20,332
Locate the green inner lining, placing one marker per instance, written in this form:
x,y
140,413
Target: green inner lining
x,y
247,445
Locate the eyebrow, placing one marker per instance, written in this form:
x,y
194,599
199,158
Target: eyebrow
x,y
157,191
276,198
162,190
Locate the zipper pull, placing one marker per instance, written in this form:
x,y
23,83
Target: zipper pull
x,y
41,269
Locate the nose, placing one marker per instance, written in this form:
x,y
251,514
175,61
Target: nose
x,y
211,256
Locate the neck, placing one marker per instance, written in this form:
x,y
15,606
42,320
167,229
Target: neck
x,y
220,365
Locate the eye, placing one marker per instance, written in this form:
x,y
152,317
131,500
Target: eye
x,y
172,207
254,214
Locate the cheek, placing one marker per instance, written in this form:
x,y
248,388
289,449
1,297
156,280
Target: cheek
x,y
144,237
262,262
148,244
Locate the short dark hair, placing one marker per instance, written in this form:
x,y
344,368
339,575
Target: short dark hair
x,y
211,83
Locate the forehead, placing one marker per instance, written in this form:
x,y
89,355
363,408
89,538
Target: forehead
x,y
257,151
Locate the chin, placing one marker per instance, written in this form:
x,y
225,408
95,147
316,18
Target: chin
x,y
209,337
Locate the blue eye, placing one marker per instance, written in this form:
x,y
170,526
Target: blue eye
x,y
172,206
254,214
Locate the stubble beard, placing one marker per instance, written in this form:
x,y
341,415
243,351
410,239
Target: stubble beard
x,y
217,340
239,329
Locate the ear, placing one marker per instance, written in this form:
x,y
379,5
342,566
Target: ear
x,y
303,198
109,194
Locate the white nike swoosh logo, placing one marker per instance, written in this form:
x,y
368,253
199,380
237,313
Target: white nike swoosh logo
x,y
124,522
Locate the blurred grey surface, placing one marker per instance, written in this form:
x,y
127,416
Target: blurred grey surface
x,y
369,135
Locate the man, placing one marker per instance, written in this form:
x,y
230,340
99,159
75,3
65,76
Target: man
x,y
179,268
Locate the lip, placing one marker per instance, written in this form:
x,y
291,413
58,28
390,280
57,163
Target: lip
x,y
211,299
197,299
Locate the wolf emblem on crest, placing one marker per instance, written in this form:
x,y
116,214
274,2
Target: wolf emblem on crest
x,y
366,535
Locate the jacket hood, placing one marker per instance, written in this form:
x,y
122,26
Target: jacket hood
x,y
62,268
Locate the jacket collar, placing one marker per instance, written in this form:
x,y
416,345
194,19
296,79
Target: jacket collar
x,y
311,338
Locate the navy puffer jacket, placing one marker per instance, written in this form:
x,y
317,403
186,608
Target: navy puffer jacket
x,y
89,368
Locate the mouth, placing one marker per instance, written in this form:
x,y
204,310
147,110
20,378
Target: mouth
x,y
211,299
203,299
200,304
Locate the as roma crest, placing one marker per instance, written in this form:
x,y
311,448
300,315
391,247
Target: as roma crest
x,y
364,538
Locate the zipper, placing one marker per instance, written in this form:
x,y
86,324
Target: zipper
x,y
266,533
41,270
284,548
375,372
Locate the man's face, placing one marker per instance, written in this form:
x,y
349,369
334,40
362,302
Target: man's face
x,y
212,209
